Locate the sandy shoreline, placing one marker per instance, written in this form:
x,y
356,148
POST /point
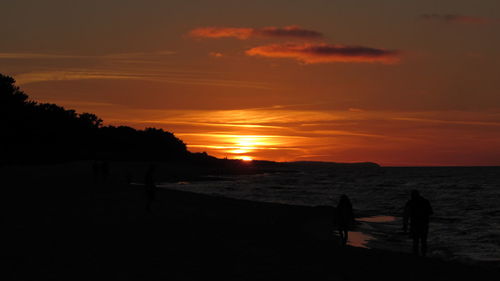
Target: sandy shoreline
x,y
62,226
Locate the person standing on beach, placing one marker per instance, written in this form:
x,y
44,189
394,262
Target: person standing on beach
x,y
418,211
345,218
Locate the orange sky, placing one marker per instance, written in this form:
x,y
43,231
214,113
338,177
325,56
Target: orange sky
x,y
393,82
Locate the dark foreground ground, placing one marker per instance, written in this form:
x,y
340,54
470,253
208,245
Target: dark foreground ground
x,y
58,224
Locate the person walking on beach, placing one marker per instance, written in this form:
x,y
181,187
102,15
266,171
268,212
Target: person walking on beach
x,y
345,218
417,211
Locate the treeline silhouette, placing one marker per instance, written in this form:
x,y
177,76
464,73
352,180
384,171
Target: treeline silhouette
x,y
33,132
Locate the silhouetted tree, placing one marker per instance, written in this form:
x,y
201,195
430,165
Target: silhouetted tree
x,y
90,119
11,95
41,132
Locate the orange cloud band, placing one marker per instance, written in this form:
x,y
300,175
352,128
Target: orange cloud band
x,y
244,33
325,53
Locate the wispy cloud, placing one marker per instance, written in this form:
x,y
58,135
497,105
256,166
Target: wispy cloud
x,y
325,53
79,103
241,33
455,18
115,56
244,33
216,54
453,122
38,56
109,74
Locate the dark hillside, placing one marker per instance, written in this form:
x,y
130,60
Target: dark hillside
x,y
35,132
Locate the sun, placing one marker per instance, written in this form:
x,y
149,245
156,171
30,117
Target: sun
x,y
246,158
243,144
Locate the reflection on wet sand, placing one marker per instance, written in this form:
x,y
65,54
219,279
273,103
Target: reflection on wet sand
x,y
361,238
377,219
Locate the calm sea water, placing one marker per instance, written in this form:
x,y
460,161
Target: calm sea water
x,y
466,202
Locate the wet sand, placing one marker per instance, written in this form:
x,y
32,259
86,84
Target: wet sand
x,y
59,225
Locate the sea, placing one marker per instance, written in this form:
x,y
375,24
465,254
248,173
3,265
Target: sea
x,y
465,225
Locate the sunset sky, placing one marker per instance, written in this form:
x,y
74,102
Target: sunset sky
x,y
389,81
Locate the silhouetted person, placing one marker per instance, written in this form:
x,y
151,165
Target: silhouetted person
x,y
150,187
418,211
345,218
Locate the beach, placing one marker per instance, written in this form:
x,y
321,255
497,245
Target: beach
x,y
63,225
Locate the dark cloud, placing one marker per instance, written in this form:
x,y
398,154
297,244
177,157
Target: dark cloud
x,y
325,53
244,33
454,18
288,31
